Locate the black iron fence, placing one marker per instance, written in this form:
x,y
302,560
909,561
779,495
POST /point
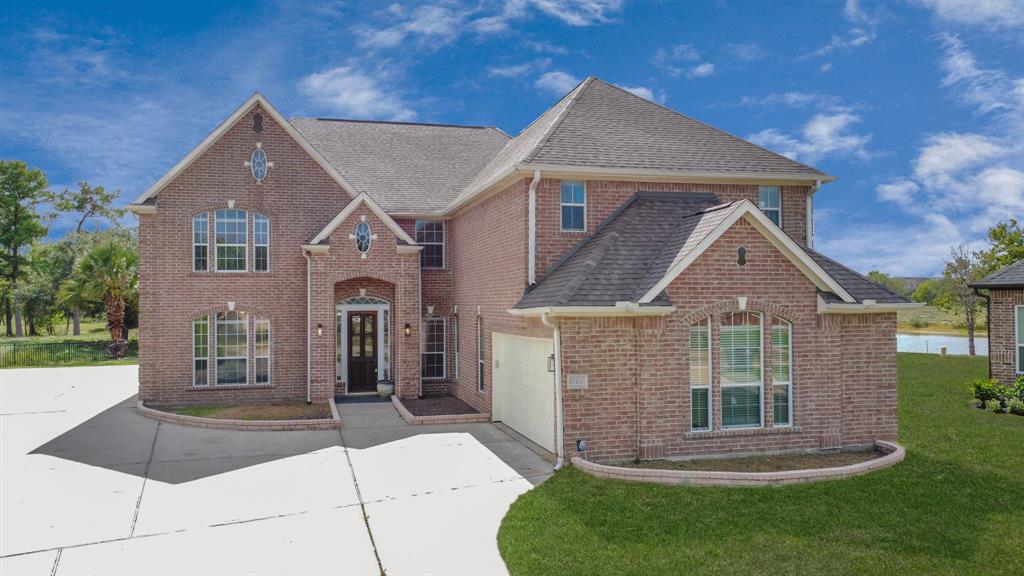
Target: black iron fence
x,y
18,354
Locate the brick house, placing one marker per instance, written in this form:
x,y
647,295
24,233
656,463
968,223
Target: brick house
x,y
1005,322
660,267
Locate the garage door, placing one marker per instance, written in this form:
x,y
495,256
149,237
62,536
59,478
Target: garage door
x,y
524,394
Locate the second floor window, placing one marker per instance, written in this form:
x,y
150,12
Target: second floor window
x,y
231,242
574,206
200,241
769,199
430,235
261,243
232,231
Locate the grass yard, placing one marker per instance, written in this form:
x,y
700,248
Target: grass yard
x,y
954,506
91,331
276,411
932,320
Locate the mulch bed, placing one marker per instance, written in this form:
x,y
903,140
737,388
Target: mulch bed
x,y
773,463
441,405
274,411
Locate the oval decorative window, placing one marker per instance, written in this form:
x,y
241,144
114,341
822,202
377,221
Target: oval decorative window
x,y
259,164
363,237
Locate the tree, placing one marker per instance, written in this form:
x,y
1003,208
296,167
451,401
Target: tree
x,y
894,284
87,202
1006,246
962,269
928,290
110,271
21,190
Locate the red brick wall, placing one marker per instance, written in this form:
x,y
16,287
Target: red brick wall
x,y
1002,343
603,197
844,375
298,196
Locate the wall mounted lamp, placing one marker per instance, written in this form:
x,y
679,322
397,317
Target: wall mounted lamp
x,y
408,329
551,363
319,329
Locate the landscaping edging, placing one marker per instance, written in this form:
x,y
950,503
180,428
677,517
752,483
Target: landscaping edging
x,y
894,453
438,419
332,423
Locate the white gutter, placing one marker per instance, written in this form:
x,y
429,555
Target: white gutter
x,y
309,331
559,429
532,254
809,214
620,309
866,307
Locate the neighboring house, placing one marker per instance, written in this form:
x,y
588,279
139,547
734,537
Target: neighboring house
x,y
1005,322
660,266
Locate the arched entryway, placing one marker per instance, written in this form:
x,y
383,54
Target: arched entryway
x,y
363,343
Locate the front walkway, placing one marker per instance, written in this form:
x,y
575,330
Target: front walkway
x,y
87,485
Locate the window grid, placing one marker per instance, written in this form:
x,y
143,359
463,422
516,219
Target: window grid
x,y
200,351
261,350
782,372
261,243
430,235
700,376
480,353
741,375
200,241
458,346
433,363
232,230
769,199
1020,338
232,349
574,206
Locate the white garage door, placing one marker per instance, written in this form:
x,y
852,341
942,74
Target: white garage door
x,y
524,393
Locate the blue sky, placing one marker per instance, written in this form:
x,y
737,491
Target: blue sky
x,y
917,107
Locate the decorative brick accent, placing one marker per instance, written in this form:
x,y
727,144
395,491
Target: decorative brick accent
x,y
894,454
332,423
438,418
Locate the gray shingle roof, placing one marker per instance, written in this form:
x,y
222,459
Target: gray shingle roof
x,y
404,167
599,125
856,284
634,245
1010,277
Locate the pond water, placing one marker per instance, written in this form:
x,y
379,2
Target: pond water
x,y
931,343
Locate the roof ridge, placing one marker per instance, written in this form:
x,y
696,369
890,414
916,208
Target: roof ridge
x,y
397,122
573,96
705,124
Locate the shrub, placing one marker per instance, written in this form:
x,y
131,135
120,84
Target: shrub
x,y
994,406
1016,406
987,389
1017,389
919,323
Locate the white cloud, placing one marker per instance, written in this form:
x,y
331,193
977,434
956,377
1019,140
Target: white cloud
x,y
798,99
897,248
947,154
827,66
644,92
745,52
987,90
518,70
571,12
901,192
701,70
556,82
427,25
863,29
822,136
353,92
989,14
675,59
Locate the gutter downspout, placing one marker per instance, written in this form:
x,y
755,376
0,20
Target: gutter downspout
x,y
309,332
809,214
531,256
988,325
559,429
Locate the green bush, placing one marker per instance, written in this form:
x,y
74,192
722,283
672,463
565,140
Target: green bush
x,y
1017,390
988,389
994,406
919,323
1016,406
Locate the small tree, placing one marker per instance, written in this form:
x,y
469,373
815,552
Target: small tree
x,y
87,202
894,284
1006,246
21,190
962,269
929,290
110,272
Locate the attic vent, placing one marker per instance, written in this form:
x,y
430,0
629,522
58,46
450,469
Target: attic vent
x,y
741,256
257,122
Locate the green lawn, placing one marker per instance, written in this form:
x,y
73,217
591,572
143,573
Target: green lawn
x,y
932,320
954,506
91,331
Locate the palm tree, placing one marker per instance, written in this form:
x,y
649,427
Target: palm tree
x,y
73,296
110,272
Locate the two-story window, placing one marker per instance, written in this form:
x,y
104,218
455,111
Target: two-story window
x,y
769,199
430,235
574,206
231,242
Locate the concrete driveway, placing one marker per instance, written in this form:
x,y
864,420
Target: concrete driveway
x,y
88,486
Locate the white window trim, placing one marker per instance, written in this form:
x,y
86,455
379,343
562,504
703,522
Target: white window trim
x,y
255,216
789,384
561,223
480,368
244,245
779,209
711,413
1016,335
341,315
760,331
455,336
216,357
270,352
206,357
443,244
205,217
444,346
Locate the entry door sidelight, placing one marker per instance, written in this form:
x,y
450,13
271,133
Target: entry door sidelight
x,y
362,352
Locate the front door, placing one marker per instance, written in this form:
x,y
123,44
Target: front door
x,y
362,352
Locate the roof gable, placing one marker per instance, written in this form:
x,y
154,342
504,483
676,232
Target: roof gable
x,y
347,211
256,99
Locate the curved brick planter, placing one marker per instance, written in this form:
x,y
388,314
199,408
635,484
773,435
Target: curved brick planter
x,y
332,423
893,454
439,419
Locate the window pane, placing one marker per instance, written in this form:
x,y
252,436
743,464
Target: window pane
x,y
199,258
433,348
774,216
741,406
231,240
700,375
261,229
741,354
200,372
780,354
780,403
1020,325
430,234
262,370
573,192
572,218
262,262
769,197
480,353
232,348
699,408
231,371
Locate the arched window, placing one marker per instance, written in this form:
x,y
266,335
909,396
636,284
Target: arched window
x,y
363,238
782,372
700,375
740,372
258,163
